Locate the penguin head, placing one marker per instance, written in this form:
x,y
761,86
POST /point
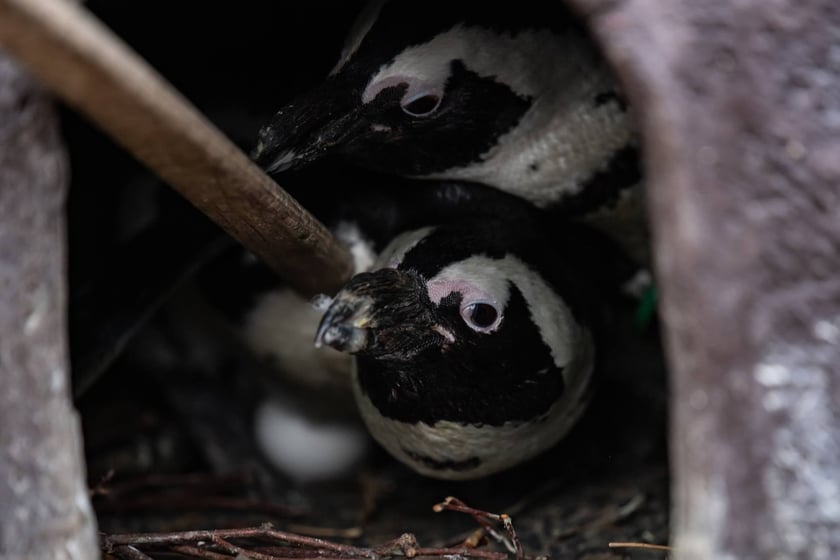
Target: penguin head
x,y
502,95
399,93
470,357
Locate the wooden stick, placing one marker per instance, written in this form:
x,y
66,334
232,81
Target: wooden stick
x,y
94,71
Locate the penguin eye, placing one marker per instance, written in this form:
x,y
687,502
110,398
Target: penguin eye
x,y
480,316
421,104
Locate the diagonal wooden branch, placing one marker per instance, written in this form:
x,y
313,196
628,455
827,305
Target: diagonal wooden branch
x,y
91,69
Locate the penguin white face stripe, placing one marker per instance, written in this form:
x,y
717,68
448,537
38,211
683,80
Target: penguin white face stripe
x,y
561,141
477,278
482,277
510,59
395,252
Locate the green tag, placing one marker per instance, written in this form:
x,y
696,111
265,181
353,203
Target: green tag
x,y
646,309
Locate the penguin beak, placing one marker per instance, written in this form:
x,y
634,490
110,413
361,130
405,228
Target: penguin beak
x,y
384,314
343,325
309,127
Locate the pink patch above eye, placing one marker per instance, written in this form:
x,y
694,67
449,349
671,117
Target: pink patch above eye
x,y
470,294
439,289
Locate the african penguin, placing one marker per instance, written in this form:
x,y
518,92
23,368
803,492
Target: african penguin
x,y
277,324
475,342
510,95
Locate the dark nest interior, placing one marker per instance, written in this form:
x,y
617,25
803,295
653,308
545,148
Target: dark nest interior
x,y
167,396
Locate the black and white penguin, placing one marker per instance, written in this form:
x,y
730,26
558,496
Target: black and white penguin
x,y
508,95
475,341
278,325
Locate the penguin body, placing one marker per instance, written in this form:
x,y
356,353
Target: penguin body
x,y
278,325
474,343
512,96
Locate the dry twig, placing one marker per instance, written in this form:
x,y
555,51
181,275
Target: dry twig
x,y
267,543
488,522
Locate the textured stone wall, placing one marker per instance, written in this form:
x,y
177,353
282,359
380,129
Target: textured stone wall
x,y
740,103
44,507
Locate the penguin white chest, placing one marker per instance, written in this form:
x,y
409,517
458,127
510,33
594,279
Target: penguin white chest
x,y
457,451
